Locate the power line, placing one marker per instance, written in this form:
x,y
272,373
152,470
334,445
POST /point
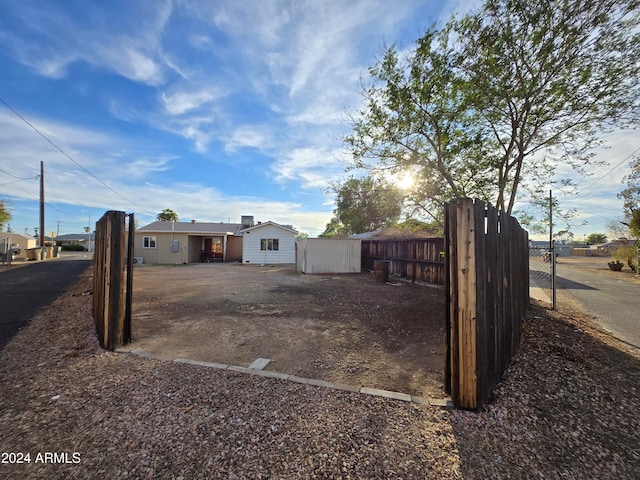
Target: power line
x,y
16,181
614,168
35,177
35,129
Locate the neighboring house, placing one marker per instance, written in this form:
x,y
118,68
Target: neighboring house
x,y
268,242
366,235
23,242
85,240
189,242
612,246
538,247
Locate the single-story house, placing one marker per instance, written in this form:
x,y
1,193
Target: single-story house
x,y
268,242
23,242
189,242
86,240
537,247
610,247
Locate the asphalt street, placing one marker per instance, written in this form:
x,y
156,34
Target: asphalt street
x,y
27,287
615,303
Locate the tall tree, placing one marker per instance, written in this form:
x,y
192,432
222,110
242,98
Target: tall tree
x,y
631,194
596,238
631,199
167,215
495,101
5,215
363,205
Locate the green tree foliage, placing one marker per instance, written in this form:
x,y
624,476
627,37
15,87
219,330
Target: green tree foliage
x,y
627,254
631,198
596,238
634,223
631,194
364,205
494,102
5,215
167,215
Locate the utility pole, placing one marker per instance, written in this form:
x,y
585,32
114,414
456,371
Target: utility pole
x,y
58,230
41,204
552,250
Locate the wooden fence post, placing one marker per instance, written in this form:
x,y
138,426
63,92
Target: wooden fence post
x,y
109,284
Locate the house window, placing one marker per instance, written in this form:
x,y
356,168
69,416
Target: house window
x,y
149,242
269,244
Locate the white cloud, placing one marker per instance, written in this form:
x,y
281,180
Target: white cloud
x,y
130,50
311,167
250,136
128,60
180,102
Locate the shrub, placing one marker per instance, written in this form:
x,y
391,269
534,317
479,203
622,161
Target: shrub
x,y
73,248
627,254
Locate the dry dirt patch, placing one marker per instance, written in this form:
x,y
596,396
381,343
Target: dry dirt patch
x,y
339,328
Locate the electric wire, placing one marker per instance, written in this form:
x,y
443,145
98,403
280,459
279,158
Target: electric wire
x,y
602,177
35,129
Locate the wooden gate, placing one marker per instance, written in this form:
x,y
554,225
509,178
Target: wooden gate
x,y
487,285
113,279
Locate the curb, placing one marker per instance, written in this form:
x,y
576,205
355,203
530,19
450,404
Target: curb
x,y
434,402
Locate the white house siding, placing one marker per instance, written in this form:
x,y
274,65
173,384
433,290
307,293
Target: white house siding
x,y
251,252
327,255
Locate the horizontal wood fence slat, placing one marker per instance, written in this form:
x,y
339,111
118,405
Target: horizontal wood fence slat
x,y
487,288
419,259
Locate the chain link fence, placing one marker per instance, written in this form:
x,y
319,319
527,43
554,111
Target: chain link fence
x,y
6,252
542,274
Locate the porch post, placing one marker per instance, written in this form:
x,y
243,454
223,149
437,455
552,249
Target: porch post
x,y
224,248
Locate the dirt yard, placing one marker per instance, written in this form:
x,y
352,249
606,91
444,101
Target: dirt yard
x,y
339,328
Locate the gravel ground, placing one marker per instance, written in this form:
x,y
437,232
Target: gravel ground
x,y
567,409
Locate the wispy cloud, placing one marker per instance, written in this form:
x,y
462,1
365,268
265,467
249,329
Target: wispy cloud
x,y
182,101
104,40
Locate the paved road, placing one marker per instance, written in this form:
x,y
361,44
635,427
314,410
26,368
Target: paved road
x,y
27,288
616,303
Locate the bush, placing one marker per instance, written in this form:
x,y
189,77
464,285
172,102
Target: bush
x,y
72,248
628,255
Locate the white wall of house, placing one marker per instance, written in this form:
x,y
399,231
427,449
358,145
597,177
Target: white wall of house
x,y
254,249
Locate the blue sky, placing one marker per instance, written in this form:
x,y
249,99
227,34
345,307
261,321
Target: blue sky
x,y
212,109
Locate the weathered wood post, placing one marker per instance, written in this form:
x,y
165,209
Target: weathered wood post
x,y
108,280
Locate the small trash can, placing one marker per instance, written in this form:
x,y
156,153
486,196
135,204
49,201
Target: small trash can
x,y
56,251
381,270
49,252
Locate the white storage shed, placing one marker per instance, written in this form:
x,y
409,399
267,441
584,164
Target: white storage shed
x,y
268,242
329,255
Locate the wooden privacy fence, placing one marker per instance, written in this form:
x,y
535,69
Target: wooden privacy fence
x,y
418,259
488,295
113,280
